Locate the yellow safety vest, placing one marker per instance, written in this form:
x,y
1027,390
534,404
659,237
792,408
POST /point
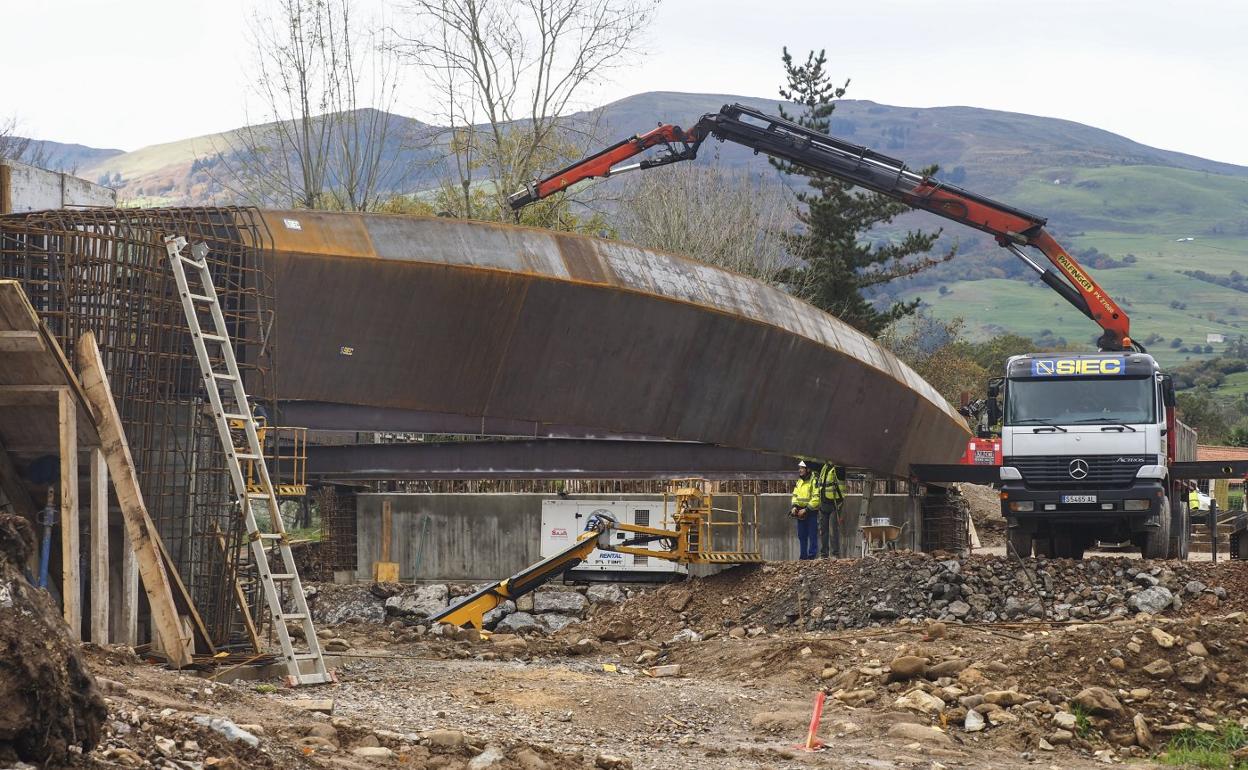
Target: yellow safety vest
x,y
1193,500
831,487
806,492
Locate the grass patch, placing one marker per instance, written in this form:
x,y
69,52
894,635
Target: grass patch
x,y
1235,385
1083,725
1197,748
305,533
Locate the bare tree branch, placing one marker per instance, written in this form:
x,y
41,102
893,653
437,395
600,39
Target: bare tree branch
x,y
20,148
727,218
327,134
509,73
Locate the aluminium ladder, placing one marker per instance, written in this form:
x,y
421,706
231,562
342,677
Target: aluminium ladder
x,y
229,405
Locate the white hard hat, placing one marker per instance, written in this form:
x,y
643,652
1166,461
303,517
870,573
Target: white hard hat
x,y
801,464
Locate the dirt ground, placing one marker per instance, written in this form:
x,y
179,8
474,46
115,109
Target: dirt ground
x,y
985,506
898,696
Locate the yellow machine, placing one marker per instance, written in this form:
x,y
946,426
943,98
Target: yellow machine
x,y
692,541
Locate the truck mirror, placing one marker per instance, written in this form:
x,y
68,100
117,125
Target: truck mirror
x,y
1167,391
994,403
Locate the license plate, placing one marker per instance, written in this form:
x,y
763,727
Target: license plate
x,y
1078,498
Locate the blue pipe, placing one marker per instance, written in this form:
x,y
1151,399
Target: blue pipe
x,y
47,517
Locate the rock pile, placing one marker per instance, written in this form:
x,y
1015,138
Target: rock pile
x,y
841,594
547,610
992,589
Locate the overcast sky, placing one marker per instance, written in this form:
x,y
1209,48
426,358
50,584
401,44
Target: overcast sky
x,y
128,73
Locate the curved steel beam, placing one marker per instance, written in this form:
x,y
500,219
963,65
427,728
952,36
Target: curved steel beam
x,y
543,459
497,322
321,415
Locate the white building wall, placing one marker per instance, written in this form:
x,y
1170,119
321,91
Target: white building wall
x,y
27,188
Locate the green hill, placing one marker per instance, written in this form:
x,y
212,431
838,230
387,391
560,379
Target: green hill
x,y
1164,221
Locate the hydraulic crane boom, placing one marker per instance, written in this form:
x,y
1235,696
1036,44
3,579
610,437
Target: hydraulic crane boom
x,y
823,154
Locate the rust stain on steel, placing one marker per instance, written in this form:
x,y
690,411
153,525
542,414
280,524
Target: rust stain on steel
x,y
493,321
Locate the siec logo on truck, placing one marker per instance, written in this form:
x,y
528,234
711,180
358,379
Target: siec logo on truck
x,y
1071,367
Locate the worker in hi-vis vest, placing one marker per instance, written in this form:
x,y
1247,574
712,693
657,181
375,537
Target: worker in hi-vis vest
x,y
831,484
1193,499
805,508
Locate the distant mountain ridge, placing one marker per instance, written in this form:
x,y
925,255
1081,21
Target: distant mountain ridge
x,y
988,149
70,158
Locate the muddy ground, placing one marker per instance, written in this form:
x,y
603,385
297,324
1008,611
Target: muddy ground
x,y
901,693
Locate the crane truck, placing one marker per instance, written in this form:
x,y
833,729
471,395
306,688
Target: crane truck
x,y
1091,449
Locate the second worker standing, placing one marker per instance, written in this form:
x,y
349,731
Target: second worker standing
x,y
817,503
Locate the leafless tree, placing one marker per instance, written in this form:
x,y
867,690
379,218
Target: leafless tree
x,y
714,214
326,89
20,148
507,74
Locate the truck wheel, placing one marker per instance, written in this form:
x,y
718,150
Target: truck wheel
x,y
1180,531
1068,545
1156,542
1020,541
1079,545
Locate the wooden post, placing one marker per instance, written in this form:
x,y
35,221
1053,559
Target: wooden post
x,y
139,528
6,194
387,528
99,547
384,570
71,580
126,618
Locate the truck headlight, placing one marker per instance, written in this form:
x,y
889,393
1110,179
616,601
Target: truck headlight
x,y
1135,505
1022,505
1010,474
1151,472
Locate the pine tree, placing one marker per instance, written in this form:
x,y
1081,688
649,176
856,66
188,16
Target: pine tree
x,y
838,259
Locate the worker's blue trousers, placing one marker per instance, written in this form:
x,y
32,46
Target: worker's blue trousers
x,y
808,534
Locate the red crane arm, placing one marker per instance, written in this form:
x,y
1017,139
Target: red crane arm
x,y
865,168
1012,229
602,164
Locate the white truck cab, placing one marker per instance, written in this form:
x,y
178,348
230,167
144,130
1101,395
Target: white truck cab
x,y
1086,444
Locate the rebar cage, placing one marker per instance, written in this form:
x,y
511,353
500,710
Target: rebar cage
x,y
106,271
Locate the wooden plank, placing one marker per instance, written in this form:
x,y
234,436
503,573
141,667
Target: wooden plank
x,y
139,528
21,342
186,606
71,579
49,369
16,312
239,596
319,705
99,547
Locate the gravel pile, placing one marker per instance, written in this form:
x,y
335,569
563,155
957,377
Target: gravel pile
x,y
840,594
547,610
992,589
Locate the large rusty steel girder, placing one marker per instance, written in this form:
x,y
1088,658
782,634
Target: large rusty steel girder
x,y
541,459
502,324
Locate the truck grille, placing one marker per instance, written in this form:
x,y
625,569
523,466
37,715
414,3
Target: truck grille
x,y
1046,472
